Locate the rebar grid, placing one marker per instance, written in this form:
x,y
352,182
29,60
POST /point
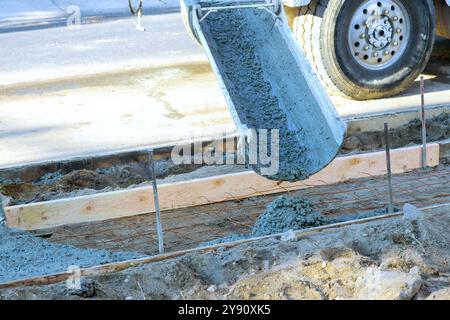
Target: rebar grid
x,y
188,227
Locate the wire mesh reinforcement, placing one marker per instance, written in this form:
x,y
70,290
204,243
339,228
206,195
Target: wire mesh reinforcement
x,y
188,227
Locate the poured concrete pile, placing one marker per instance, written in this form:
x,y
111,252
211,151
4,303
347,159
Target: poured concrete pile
x,y
268,90
24,256
438,128
287,213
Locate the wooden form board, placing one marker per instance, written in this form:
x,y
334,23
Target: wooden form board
x,y
116,204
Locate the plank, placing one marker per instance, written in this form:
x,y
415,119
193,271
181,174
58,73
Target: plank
x,y
135,201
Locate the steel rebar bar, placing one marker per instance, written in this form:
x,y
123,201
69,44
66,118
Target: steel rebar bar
x,y
424,123
3,222
159,228
389,172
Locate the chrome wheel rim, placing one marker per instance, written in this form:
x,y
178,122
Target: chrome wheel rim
x,y
378,34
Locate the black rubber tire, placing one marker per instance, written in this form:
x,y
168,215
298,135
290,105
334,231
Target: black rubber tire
x,y
322,31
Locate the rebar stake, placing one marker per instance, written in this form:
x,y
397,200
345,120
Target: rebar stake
x,y
389,172
3,222
424,124
156,201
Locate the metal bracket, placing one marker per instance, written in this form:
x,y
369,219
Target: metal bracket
x,y
207,14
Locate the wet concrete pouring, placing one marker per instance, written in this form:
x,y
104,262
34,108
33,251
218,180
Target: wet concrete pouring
x,y
254,74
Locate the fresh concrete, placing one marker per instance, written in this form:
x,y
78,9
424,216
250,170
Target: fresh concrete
x,y
26,256
92,49
269,89
288,213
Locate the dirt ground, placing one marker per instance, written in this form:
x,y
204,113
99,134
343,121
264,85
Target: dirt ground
x,y
399,258
59,184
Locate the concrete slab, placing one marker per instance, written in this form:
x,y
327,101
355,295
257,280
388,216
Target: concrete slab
x,y
122,111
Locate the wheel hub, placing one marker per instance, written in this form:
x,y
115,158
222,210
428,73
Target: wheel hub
x,y
379,33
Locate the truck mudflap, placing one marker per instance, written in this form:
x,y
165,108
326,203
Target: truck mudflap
x,y
442,18
275,98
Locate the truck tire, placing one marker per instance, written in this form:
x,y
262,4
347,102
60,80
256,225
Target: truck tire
x,y
367,49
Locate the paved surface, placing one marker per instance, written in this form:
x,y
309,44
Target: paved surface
x,y
52,53
24,15
106,87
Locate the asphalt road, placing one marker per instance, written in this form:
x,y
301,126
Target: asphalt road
x,y
112,45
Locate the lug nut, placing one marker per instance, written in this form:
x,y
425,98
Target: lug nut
x,y
395,43
376,54
398,30
386,53
366,48
386,12
363,36
395,18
